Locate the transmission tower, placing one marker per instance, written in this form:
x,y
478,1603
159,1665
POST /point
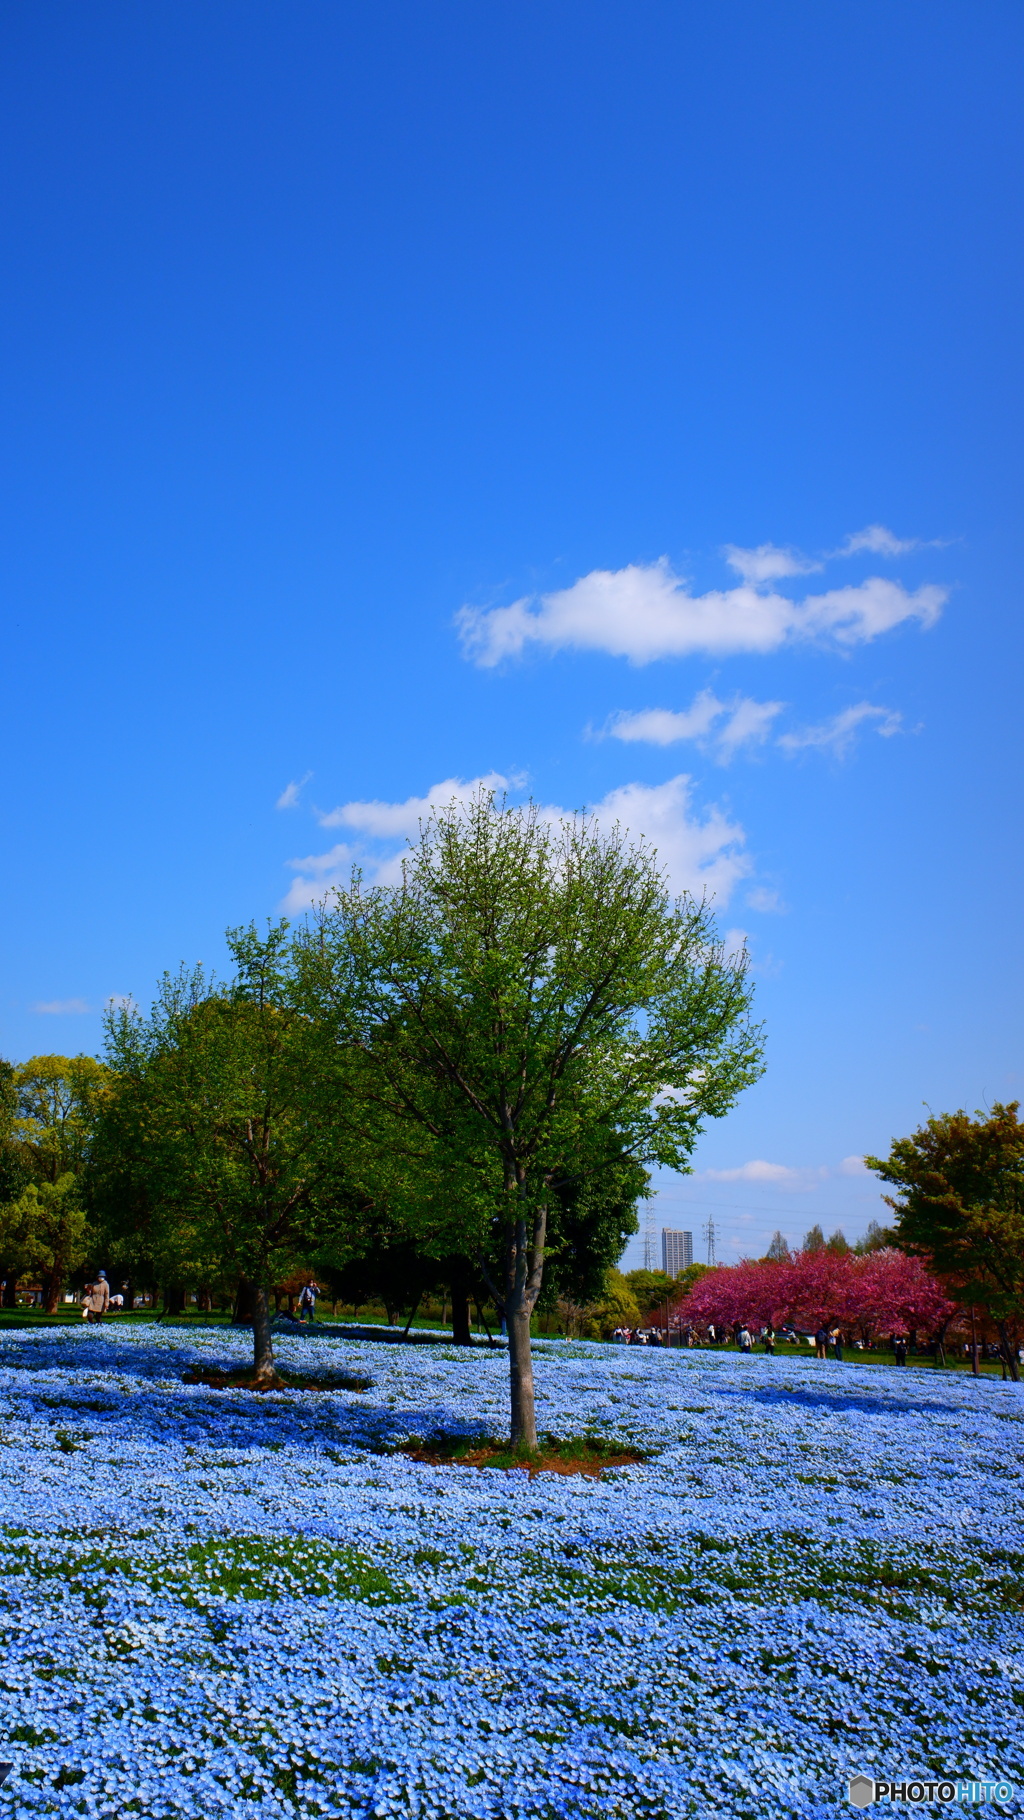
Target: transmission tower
x,y
709,1234
649,1239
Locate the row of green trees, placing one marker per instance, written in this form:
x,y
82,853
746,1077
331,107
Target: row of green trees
x,y
467,1073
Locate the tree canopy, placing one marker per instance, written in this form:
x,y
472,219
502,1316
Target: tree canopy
x,y
219,1132
528,1004
959,1202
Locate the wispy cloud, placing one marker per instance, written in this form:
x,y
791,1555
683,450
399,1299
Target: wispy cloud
x,y
749,724
724,727
765,901
62,1007
775,1175
645,612
289,797
837,735
768,562
853,1165
377,826
385,821
877,540
699,851
666,726
803,1179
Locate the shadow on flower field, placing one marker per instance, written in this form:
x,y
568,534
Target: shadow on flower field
x,y
841,1402
117,1385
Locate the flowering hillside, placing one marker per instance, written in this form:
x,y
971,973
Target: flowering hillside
x,y
217,1603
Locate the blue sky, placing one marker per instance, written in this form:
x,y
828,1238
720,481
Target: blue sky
x,y
624,401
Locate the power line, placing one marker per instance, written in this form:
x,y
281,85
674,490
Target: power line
x,y
750,1207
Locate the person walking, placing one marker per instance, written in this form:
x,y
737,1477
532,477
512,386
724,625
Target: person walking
x,y
768,1337
97,1299
900,1349
307,1301
746,1344
837,1344
821,1343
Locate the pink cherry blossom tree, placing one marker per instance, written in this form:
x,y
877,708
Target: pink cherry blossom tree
x,y
885,1292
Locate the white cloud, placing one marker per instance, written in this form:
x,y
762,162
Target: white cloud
x,y
387,821
376,822
776,1175
853,1165
749,724
837,735
782,1175
289,796
878,541
666,727
62,1007
741,722
767,902
645,612
319,874
698,852
767,562
734,941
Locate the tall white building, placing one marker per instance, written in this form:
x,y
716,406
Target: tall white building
x,y
676,1251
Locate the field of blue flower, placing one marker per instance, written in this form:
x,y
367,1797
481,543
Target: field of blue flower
x,y
216,1603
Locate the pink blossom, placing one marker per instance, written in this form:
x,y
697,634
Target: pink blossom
x,y
885,1291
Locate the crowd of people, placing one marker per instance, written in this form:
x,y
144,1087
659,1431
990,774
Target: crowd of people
x,y
828,1341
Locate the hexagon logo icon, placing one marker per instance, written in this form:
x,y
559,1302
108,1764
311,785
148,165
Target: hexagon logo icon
x,y
862,1791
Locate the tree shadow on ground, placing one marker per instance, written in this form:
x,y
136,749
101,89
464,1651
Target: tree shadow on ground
x,y
841,1402
156,1405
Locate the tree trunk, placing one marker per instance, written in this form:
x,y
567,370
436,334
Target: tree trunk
x,y
520,1359
412,1316
524,1265
460,1316
262,1343
51,1295
482,1319
1008,1352
11,1292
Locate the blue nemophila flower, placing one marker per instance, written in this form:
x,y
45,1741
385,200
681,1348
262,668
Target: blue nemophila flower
x,y
217,1604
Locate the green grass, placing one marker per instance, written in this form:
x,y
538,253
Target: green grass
x,y
230,1567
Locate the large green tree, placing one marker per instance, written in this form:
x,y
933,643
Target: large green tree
x,y
14,1169
59,1098
959,1203
49,1111
221,1128
44,1233
528,1002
